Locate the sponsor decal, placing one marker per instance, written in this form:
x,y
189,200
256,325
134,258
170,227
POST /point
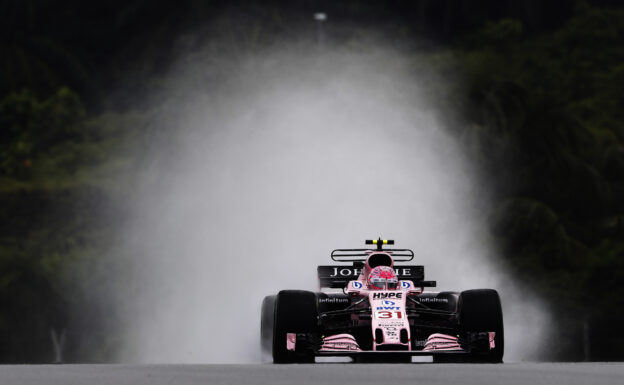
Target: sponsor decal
x,y
388,307
357,285
420,342
333,300
405,285
387,295
340,271
385,323
389,303
430,299
342,345
345,272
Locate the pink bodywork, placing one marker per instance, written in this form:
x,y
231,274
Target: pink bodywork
x,y
441,342
387,307
291,340
340,343
388,314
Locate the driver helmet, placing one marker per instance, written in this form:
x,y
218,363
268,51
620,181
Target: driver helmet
x,y
383,278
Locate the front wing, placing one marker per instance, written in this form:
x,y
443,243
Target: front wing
x,y
437,344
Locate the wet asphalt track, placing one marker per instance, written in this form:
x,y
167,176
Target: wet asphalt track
x,y
330,373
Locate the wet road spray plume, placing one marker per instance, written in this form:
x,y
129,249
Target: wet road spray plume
x,y
260,163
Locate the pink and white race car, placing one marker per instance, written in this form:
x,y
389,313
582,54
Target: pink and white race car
x,y
375,309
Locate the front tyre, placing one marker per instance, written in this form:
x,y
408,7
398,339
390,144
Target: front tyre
x,y
295,312
481,311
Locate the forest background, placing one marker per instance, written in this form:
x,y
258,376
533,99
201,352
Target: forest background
x,y
539,83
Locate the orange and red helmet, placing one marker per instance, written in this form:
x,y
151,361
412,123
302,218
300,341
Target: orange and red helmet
x,y
383,278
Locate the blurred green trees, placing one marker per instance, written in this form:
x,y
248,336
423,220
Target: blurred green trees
x,y
551,134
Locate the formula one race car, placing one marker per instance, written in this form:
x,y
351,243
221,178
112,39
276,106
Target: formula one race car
x,y
381,314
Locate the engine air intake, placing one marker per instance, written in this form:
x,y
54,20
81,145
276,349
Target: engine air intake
x,y
379,259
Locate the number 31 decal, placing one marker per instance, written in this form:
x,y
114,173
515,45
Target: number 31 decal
x,y
389,315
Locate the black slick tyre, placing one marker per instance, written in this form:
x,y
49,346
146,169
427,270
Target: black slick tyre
x,y
480,311
295,312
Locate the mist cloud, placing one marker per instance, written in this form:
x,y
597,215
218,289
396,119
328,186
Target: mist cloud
x,y
260,164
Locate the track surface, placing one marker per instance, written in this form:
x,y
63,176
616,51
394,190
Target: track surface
x,y
330,373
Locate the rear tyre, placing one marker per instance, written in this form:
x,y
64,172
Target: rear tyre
x,y
295,312
481,311
267,318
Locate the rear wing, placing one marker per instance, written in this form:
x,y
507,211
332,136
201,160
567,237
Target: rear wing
x,y
359,255
337,277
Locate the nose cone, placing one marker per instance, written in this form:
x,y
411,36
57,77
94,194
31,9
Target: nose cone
x,y
390,326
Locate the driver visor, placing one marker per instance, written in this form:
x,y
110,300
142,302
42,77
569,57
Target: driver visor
x,y
383,283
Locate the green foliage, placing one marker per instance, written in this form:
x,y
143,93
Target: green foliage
x,y
32,129
548,124
42,233
501,33
57,168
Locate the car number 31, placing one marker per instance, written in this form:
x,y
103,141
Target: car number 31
x,y
389,315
